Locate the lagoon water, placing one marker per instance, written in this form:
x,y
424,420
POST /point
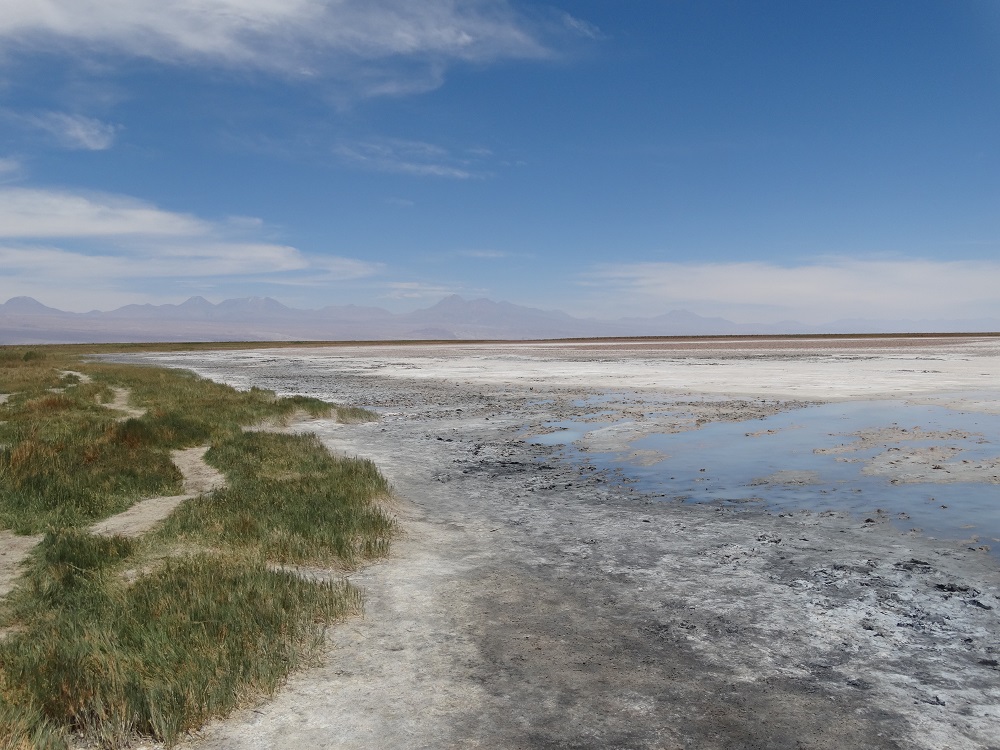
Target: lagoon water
x,y
774,462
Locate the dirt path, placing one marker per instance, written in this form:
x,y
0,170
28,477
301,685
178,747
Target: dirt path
x,y
121,403
139,518
199,478
83,377
14,550
537,603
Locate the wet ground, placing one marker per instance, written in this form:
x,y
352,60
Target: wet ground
x,y
928,469
556,596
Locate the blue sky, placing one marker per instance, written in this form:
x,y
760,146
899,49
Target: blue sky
x,y
756,160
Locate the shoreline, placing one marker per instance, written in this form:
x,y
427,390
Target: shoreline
x,y
534,604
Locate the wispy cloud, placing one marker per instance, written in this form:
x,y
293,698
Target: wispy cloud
x,y
818,291
401,202
59,240
581,27
26,212
9,169
214,259
337,268
291,37
73,131
412,158
484,254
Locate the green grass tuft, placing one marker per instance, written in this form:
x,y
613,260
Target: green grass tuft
x,y
291,501
69,566
355,415
161,656
23,727
65,460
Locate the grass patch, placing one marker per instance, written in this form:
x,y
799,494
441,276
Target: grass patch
x,y
355,415
65,460
289,500
24,728
160,656
112,637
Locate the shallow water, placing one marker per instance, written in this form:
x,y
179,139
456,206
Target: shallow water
x,y
729,463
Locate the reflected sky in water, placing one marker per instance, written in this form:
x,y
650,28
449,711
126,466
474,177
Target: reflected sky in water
x,y
735,463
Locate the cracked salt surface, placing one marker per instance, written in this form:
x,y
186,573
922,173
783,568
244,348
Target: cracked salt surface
x,y
926,468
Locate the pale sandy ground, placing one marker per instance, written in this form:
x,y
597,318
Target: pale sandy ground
x,y
534,602
14,550
198,478
120,402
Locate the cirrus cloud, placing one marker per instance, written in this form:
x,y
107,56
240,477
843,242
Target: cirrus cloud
x,y
365,40
73,131
9,168
417,158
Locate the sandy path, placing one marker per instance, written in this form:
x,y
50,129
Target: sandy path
x,y
534,603
199,478
120,402
14,550
139,518
84,378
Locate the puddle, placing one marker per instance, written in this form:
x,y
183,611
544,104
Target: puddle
x,y
808,459
563,433
571,430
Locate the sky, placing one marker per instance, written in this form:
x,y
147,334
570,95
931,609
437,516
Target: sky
x,y
760,161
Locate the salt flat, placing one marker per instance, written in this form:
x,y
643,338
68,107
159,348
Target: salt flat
x,y
786,368
541,599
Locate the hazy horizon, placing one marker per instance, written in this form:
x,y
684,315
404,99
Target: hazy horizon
x,y
22,321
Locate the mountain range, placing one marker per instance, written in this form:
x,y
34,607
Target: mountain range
x,y
24,320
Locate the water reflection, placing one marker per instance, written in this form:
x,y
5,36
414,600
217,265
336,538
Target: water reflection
x,y
810,458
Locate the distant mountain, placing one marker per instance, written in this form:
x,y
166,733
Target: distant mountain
x,y
194,308
486,312
199,308
684,323
486,319
25,320
353,313
27,306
